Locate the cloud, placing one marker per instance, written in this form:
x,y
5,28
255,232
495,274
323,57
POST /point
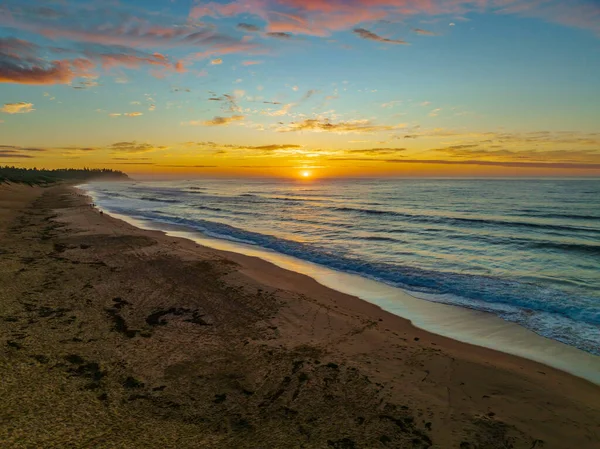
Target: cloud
x,y
279,35
21,62
14,151
351,126
85,149
217,121
222,148
273,147
513,164
366,34
17,108
285,109
423,32
391,104
479,151
216,61
23,72
247,63
129,58
376,151
16,148
435,112
229,101
134,147
249,27
104,36
13,154
25,63
323,17
117,27
134,163
126,114
189,166
309,94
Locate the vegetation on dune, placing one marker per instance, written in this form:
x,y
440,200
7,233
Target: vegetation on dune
x,y
35,176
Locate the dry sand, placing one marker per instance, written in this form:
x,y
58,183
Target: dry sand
x,y
112,336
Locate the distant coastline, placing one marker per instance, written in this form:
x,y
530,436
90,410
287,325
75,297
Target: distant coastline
x,y
41,177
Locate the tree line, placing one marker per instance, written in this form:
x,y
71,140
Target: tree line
x,y
35,176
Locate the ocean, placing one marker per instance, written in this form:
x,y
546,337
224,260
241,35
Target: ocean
x,y
525,250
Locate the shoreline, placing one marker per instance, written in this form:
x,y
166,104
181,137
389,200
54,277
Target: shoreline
x,y
462,324
160,342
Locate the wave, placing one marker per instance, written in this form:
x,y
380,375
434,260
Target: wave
x,y
159,200
540,214
375,238
457,220
592,250
583,248
214,209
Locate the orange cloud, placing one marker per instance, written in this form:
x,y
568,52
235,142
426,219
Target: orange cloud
x,y
134,61
217,121
28,71
17,108
134,147
351,126
423,32
513,164
249,27
366,34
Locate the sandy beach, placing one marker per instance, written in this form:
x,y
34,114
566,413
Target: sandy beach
x,y
114,336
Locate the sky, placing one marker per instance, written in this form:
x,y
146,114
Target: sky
x,y
284,87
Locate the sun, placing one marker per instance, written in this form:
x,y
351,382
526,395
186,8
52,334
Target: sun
x,y
305,174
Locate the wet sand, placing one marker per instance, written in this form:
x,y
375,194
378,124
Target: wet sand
x,y
113,336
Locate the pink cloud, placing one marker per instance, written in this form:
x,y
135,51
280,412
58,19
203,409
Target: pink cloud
x,y
240,47
132,61
58,72
20,63
109,27
322,17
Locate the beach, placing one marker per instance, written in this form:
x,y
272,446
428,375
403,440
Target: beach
x,y
115,336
